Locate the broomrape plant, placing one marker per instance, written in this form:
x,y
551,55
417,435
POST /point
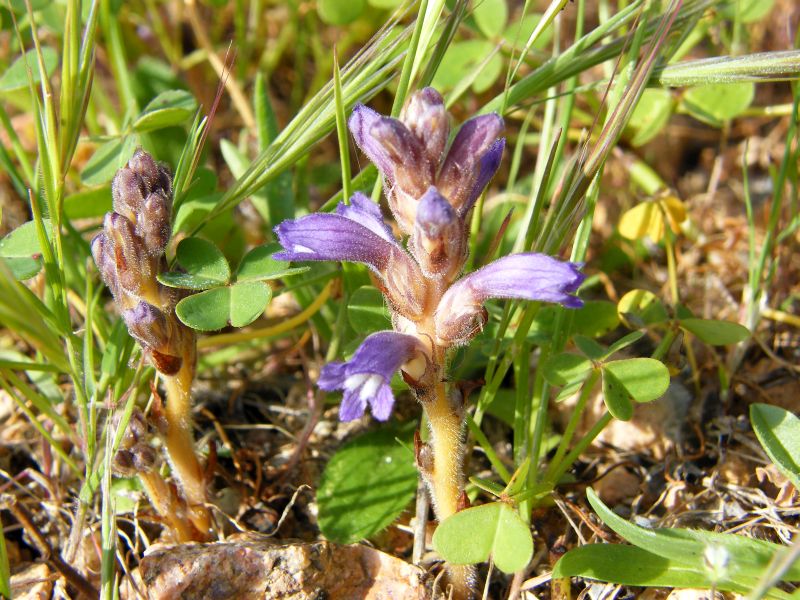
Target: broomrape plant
x,y
431,191
129,254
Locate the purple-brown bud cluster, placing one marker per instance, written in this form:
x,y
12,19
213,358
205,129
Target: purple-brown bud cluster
x,y
130,253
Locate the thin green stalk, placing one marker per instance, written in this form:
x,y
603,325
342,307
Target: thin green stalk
x,y
108,528
522,409
341,130
5,570
574,419
579,448
544,162
486,445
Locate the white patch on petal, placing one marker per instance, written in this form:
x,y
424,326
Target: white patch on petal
x,y
367,385
302,249
353,382
371,387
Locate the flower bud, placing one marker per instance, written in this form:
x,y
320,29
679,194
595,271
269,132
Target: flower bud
x,y
144,458
148,325
132,261
413,172
136,430
475,143
426,117
122,464
127,193
103,253
153,224
439,240
153,176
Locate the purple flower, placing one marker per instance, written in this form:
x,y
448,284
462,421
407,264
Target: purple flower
x,y
527,276
366,376
356,233
409,152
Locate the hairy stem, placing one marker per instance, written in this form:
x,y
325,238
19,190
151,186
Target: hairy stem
x,y
447,478
180,445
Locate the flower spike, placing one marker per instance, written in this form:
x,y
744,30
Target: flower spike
x,y
527,276
366,376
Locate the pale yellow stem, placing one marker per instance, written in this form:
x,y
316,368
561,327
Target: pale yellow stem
x,y
161,499
447,478
180,446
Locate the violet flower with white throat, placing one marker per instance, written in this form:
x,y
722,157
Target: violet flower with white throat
x,y
365,378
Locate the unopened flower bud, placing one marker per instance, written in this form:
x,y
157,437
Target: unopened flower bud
x,y
144,457
471,161
148,325
439,241
153,224
426,117
127,192
122,464
135,432
413,172
154,176
103,253
132,260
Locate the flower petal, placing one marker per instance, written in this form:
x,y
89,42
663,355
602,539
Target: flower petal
x,y
325,236
487,167
352,406
366,212
527,276
360,124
